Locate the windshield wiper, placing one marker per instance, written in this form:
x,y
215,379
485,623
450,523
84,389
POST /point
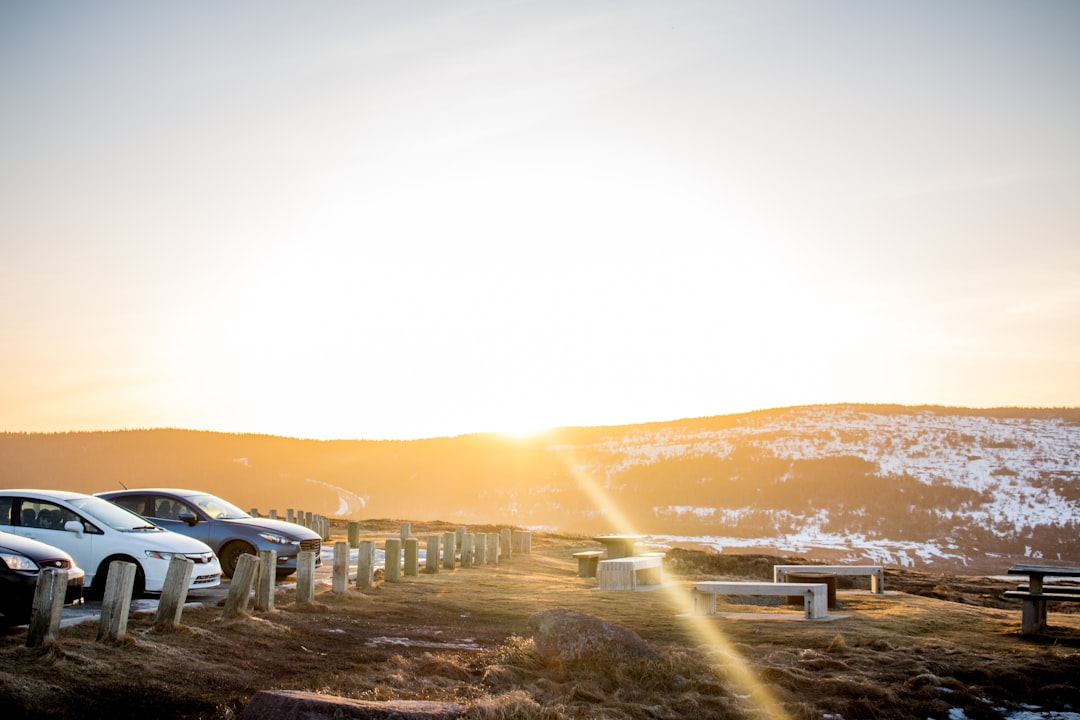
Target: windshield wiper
x,y
145,527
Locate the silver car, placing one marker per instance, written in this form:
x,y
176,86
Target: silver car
x,y
229,531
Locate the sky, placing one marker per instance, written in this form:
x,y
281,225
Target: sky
x,y
416,219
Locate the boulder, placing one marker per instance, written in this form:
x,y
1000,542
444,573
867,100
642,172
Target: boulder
x,y
566,637
299,705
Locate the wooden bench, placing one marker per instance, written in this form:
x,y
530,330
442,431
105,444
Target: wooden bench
x,y
815,595
629,572
586,562
876,573
1035,594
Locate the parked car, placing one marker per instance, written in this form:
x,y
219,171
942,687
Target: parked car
x,y
227,529
20,561
96,532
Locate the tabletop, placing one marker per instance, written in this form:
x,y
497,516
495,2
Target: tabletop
x,y
1036,574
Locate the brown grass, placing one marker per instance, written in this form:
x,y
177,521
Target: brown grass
x,y
901,655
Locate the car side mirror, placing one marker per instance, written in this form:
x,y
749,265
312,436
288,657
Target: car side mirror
x,y
189,517
74,526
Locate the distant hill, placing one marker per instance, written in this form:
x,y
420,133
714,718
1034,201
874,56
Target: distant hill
x,y
931,487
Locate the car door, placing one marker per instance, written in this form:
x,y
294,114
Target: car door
x,y
167,511
46,521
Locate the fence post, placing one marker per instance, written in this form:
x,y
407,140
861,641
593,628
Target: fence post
x,y
493,548
340,582
449,550
174,592
266,580
406,531
305,576
412,557
392,563
254,512
48,605
467,551
273,514
480,549
504,542
290,515
236,604
431,561
116,603
354,535
365,564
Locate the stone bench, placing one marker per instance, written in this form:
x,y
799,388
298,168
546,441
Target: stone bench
x,y
629,572
815,595
876,573
1033,614
587,561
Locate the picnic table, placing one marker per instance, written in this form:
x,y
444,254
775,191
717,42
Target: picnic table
x,y
619,546
1035,593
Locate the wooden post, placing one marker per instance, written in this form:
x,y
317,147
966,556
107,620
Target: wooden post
x,y
392,562
47,608
174,592
273,514
354,535
504,542
116,603
290,515
467,551
365,565
431,561
305,576
412,557
493,548
254,512
243,580
340,582
449,551
406,531
480,549
267,579
459,536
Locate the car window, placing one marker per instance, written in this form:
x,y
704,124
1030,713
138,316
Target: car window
x,y
134,503
217,508
5,510
45,515
114,516
167,508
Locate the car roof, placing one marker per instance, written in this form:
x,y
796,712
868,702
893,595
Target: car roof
x,y
171,491
56,494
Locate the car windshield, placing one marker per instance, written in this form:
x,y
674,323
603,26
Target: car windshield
x,y
114,516
217,508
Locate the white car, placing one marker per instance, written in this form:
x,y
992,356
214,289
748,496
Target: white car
x,y
95,532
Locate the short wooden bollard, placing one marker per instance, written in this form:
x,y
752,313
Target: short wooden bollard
x,y
459,536
305,576
273,514
174,592
365,564
392,561
412,557
266,580
522,541
47,608
243,580
467,551
354,535
290,515
340,582
505,544
449,552
493,548
116,603
431,559
254,512
480,549
406,531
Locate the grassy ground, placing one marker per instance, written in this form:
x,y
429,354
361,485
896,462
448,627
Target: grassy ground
x,y
463,635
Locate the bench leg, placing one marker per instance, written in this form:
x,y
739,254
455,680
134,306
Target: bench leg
x,y
816,605
1033,617
704,603
877,584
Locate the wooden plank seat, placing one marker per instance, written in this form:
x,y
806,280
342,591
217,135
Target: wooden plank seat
x,y
815,595
587,561
629,572
1036,594
876,573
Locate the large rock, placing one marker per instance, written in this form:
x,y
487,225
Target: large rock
x,y
566,637
298,705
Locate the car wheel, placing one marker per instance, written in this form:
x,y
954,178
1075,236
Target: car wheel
x,y
230,556
97,590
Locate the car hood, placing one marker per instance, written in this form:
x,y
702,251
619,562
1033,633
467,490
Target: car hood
x,y
278,527
33,549
175,542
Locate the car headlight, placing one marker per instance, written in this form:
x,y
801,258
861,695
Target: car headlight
x,y
159,554
277,539
18,562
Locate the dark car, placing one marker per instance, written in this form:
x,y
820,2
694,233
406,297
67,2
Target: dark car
x,y
227,529
20,560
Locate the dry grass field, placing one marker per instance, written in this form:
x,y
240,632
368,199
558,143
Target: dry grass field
x,y
929,648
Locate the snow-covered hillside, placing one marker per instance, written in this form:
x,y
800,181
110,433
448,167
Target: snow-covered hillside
x,y
1024,472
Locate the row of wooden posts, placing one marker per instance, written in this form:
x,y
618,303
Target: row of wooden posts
x,y
312,521
258,573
